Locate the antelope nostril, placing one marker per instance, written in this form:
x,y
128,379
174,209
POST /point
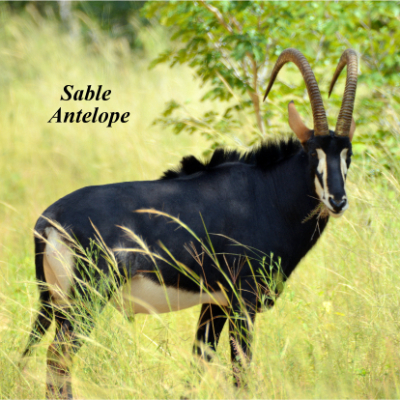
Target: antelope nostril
x,y
337,205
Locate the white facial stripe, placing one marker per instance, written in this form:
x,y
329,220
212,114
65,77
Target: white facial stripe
x,y
322,161
323,190
343,163
323,170
319,189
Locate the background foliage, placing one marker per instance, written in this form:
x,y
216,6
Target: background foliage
x,y
117,19
232,46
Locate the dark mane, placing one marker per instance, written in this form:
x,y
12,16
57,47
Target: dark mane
x,y
262,156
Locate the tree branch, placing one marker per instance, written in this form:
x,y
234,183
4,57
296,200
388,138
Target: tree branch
x,y
218,15
255,98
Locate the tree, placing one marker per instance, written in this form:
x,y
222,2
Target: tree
x,y
231,46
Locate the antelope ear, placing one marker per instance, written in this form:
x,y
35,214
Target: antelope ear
x,y
352,129
297,125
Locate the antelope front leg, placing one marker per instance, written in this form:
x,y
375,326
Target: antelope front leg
x,y
211,322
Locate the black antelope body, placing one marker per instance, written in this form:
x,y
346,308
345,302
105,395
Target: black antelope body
x,y
266,200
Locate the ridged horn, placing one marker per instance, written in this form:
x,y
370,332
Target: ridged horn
x,y
349,58
317,106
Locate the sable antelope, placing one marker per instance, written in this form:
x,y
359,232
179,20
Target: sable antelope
x,y
265,200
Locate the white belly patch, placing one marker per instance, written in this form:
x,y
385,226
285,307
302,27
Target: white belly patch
x,y
142,295
58,265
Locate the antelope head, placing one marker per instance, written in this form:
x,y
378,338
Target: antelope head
x,y
329,152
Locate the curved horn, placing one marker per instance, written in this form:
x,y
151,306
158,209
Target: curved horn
x,y
343,123
317,106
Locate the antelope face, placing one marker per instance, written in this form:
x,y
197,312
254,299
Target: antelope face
x,y
329,152
330,158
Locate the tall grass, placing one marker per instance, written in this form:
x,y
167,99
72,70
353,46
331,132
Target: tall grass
x,y
334,333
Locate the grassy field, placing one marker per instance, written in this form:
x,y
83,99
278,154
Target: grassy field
x,y
335,331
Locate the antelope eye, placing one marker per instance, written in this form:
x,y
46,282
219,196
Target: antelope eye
x,y
313,154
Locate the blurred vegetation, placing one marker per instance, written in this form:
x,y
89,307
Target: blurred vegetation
x,y
232,46
86,18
